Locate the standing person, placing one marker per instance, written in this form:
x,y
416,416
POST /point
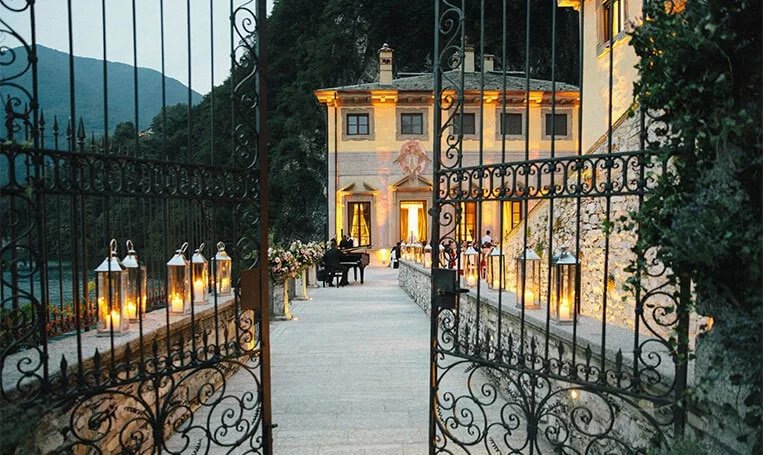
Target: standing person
x,y
487,241
395,255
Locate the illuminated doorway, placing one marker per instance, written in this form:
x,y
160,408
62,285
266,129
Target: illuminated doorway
x,y
413,224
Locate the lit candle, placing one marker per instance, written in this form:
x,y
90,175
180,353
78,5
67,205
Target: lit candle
x,y
496,283
115,319
102,308
529,297
132,310
176,303
471,279
564,308
198,291
225,285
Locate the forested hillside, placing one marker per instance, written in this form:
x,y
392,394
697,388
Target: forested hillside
x,y
53,83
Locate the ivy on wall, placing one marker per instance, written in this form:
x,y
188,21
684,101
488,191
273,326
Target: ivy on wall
x,y
701,87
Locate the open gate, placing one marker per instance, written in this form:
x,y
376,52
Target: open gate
x,y
564,335
165,351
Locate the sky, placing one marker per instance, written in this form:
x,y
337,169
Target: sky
x,y
87,17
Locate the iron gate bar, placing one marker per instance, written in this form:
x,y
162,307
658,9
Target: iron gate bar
x,y
611,174
107,190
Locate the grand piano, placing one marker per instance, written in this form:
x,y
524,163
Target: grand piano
x,y
356,258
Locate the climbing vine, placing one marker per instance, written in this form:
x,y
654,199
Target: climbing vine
x,y
700,87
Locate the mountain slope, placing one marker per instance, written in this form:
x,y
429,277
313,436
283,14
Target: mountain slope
x,y
53,85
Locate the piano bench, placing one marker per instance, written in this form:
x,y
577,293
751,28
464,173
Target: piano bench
x,y
334,276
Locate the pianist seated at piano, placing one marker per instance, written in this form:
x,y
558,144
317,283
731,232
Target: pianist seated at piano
x,y
333,262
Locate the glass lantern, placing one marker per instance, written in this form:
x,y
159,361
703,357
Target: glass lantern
x,y
427,257
470,266
222,271
179,282
111,291
136,298
200,276
564,273
418,252
529,265
495,274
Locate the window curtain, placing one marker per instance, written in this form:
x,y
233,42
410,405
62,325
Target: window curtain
x,y
422,234
364,236
360,222
404,218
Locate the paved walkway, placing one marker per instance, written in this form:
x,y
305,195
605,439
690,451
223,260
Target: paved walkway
x,y
350,374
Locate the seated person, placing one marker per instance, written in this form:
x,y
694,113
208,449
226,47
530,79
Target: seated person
x,y
346,241
332,260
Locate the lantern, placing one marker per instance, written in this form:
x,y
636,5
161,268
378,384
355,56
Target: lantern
x,y
111,291
200,276
496,269
404,251
564,274
427,257
135,300
528,271
470,266
418,252
222,271
179,282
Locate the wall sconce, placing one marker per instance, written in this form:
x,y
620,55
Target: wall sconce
x,y
223,268
564,273
111,290
528,271
495,274
179,282
200,276
135,301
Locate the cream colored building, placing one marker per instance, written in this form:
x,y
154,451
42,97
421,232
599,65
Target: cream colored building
x,y
380,138
596,69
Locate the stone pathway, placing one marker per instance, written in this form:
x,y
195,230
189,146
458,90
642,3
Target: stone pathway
x,y
350,374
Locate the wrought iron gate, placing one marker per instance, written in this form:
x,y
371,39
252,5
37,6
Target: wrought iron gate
x,y
179,377
564,335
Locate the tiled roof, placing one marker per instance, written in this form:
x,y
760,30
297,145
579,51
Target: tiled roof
x,y
472,81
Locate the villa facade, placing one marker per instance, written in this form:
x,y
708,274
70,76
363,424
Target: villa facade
x,y
380,138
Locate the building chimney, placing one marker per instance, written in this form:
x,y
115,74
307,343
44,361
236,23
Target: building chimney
x,y
488,63
386,65
469,58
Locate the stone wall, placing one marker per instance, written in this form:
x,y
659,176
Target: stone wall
x,y
111,418
628,426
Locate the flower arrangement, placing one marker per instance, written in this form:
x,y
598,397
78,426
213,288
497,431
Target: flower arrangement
x,y
307,254
285,263
282,264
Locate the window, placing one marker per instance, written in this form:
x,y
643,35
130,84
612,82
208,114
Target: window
x,y
468,222
464,124
560,125
611,29
358,124
511,124
513,215
413,221
412,124
360,222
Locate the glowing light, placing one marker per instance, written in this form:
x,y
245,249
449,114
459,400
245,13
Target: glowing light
x,y
132,309
115,318
176,302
